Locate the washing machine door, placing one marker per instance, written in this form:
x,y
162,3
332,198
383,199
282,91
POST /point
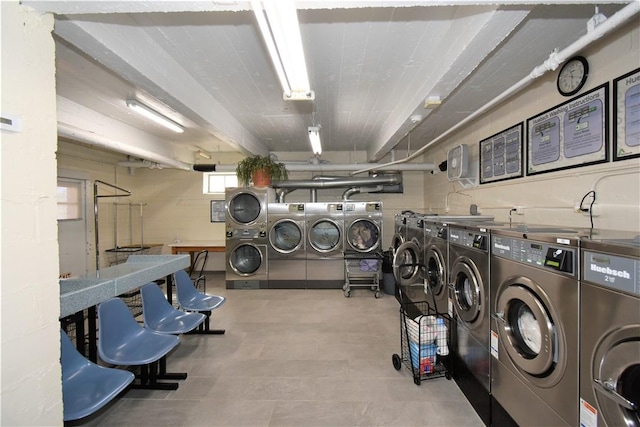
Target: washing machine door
x,y
406,264
364,235
325,236
244,208
528,331
468,291
285,236
396,241
435,271
246,259
616,377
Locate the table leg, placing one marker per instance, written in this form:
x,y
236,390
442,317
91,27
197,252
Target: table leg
x,y
93,336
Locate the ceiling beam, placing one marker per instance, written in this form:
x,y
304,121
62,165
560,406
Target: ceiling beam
x,y
156,72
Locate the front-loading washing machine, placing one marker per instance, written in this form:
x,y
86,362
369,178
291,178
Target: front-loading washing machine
x,y
325,238
469,289
408,260
534,325
610,330
287,257
436,261
399,231
363,227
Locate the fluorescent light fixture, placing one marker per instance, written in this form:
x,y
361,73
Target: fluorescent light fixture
x,y
278,22
142,109
203,154
314,138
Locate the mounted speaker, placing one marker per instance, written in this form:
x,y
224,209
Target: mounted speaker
x,y
460,167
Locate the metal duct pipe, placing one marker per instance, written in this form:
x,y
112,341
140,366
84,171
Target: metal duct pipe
x,y
355,190
280,194
324,167
140,164
337,183
554,60
313,195
91,138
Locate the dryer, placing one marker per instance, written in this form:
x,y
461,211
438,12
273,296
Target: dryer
x,y
610,330
325,238
286,252
534,325
246,261
246,209
363,227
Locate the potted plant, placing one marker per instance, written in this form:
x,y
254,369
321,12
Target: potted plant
x,y
260,170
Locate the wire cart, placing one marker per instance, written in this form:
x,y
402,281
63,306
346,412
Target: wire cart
x,y
362,270
424,341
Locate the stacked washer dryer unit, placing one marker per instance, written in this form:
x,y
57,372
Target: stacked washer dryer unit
x,y
610,330
469,277
287,257
325,238
534,326
246,237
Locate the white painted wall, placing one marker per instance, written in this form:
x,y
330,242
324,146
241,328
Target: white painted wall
x,y
549,198
31,390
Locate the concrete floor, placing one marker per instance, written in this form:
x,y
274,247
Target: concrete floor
x,y
293,358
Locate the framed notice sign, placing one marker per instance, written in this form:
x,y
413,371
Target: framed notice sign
x,y
574,133
501,155
218,210
626,115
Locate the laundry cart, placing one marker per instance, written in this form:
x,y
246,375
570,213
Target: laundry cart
x,y
424,341
362,270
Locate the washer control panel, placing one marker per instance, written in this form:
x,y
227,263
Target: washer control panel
x,y
611,271
470,239
537,254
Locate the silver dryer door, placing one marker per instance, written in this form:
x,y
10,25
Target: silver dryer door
x,y
244,208
285,236
363,235
246,259
527,328
468,291
406,267
616,377
325,236
396,241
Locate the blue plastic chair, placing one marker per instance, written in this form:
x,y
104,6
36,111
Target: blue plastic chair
x,y
189,299
162,317
87,387
122,341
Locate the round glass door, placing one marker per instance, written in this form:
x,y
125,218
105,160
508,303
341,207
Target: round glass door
x,y
616,377
363,235
528,332
435,274
406,268
324,236
468,291
285,236
244,208
245,260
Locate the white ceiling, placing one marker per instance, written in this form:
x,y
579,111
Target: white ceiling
x,y
371,65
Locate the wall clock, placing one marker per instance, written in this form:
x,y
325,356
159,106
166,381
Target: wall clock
x,y
573,75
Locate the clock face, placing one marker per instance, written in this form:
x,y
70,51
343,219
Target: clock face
x,y
573,76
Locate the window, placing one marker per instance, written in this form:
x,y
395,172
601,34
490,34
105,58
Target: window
x,y
69,199
217,182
